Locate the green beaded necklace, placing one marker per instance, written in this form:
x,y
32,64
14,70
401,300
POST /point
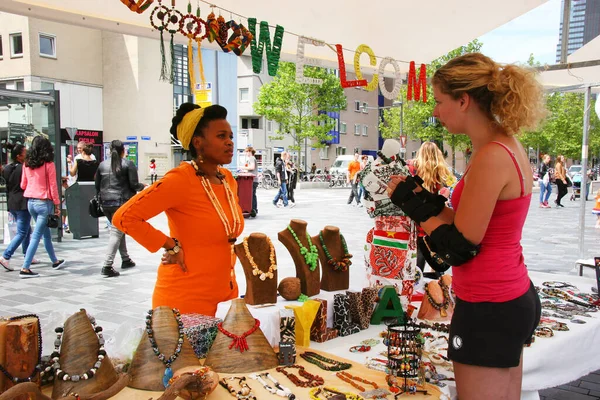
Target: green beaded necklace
x,y
337,265
311,256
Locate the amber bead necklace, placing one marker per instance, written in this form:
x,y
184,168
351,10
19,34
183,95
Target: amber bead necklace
x,y
312,380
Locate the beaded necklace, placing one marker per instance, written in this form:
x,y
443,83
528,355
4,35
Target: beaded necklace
x,y
277,390
345,261
346,377
321,362
239,342
335,394
55,357
311,254
255,270
441,307
312,380
231,229
38,367
437,326
563,295
170,360
245,391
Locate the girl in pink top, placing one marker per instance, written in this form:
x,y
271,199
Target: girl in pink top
x,y
40,186
497,308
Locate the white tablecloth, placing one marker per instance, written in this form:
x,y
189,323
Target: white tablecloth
x,y
549,362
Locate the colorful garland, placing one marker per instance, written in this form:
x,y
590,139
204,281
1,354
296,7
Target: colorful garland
x,y
342,66
273,52
416,86
363,48
139,7
159,20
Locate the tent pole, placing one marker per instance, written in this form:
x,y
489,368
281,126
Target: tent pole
x,y
584,167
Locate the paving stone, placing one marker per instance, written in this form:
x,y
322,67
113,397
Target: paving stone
x,y
560,394
595,378
575,389
590,385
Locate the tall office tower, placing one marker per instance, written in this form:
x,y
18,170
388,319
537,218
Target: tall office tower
x,y
584,24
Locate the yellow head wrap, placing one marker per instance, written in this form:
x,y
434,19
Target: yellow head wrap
x,y
185,129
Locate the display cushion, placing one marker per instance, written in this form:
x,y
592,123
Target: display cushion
x,y
201,331
319,331
341,316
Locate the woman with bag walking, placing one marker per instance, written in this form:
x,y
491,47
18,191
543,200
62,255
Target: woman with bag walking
x,y
39,183
116,182
560,174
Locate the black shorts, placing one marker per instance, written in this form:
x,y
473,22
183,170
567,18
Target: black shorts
x,y
493,334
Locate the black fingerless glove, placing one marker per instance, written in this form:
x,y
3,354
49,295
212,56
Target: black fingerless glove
x,y
417,206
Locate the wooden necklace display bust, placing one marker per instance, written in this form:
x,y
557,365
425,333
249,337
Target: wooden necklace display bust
x,y
332,279
260,257
310,281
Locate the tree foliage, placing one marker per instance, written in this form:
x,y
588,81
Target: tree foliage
x,y
298,107
417,119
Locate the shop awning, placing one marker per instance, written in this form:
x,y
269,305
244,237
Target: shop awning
x,y
417,31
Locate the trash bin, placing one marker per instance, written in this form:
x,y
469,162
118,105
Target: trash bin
x,y
81,223
245,182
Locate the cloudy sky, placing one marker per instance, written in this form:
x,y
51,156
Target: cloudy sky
x,y
535,32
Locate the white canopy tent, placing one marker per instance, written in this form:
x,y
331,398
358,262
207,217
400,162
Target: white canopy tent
x,y
581,73
405,31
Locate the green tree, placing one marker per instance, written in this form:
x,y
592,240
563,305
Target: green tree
x,y
299,108
417,121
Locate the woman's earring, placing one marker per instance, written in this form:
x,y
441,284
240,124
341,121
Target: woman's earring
x,y
200,159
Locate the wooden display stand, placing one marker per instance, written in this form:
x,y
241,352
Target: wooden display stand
x,y
78,353
146,369
332,280
310,281
258,291
19,353
223,358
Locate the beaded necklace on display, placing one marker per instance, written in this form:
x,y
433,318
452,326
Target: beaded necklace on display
x,y
437,326
38,367
590,298
167,361
564,296
239,342
55,357
277,390
312,380
255,270
558,285
311,254
322,362
231,229
334,393
345,262
351,379
441,307
245,391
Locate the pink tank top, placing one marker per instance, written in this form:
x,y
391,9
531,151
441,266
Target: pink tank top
x,y
498,273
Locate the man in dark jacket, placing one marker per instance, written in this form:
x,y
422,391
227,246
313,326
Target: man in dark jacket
x,y
281,173
17,206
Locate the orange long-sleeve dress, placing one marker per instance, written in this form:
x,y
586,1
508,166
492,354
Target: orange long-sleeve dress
x,y
193,221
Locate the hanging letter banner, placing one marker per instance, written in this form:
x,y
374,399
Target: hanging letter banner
x,y
393,95
363,48
301,61
415,86
342,65
273,52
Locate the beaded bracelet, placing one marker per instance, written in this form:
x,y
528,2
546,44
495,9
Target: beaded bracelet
x,y
245,393
314,393
278,390
360,349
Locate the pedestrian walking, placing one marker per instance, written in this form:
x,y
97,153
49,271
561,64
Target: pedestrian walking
x,y
353,169
497,308
560,175
153,175
292,173
281,173
361,189
251,167
596,210
545,179
40,187
116,181
17,206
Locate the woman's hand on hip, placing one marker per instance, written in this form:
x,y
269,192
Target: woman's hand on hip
x,y
174,259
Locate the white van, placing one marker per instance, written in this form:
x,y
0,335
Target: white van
x,y
340,165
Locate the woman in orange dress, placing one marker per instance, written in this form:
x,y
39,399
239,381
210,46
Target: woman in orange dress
x,y
200,201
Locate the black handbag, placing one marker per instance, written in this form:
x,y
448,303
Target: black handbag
x,y
569,182
95,209
53,220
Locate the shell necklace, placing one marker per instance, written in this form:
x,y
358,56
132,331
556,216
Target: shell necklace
x,y
255,270
231,229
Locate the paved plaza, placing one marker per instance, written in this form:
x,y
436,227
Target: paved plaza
x,y
550,242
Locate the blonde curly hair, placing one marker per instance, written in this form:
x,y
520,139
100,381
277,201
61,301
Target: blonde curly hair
x,y
432,168
509,94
